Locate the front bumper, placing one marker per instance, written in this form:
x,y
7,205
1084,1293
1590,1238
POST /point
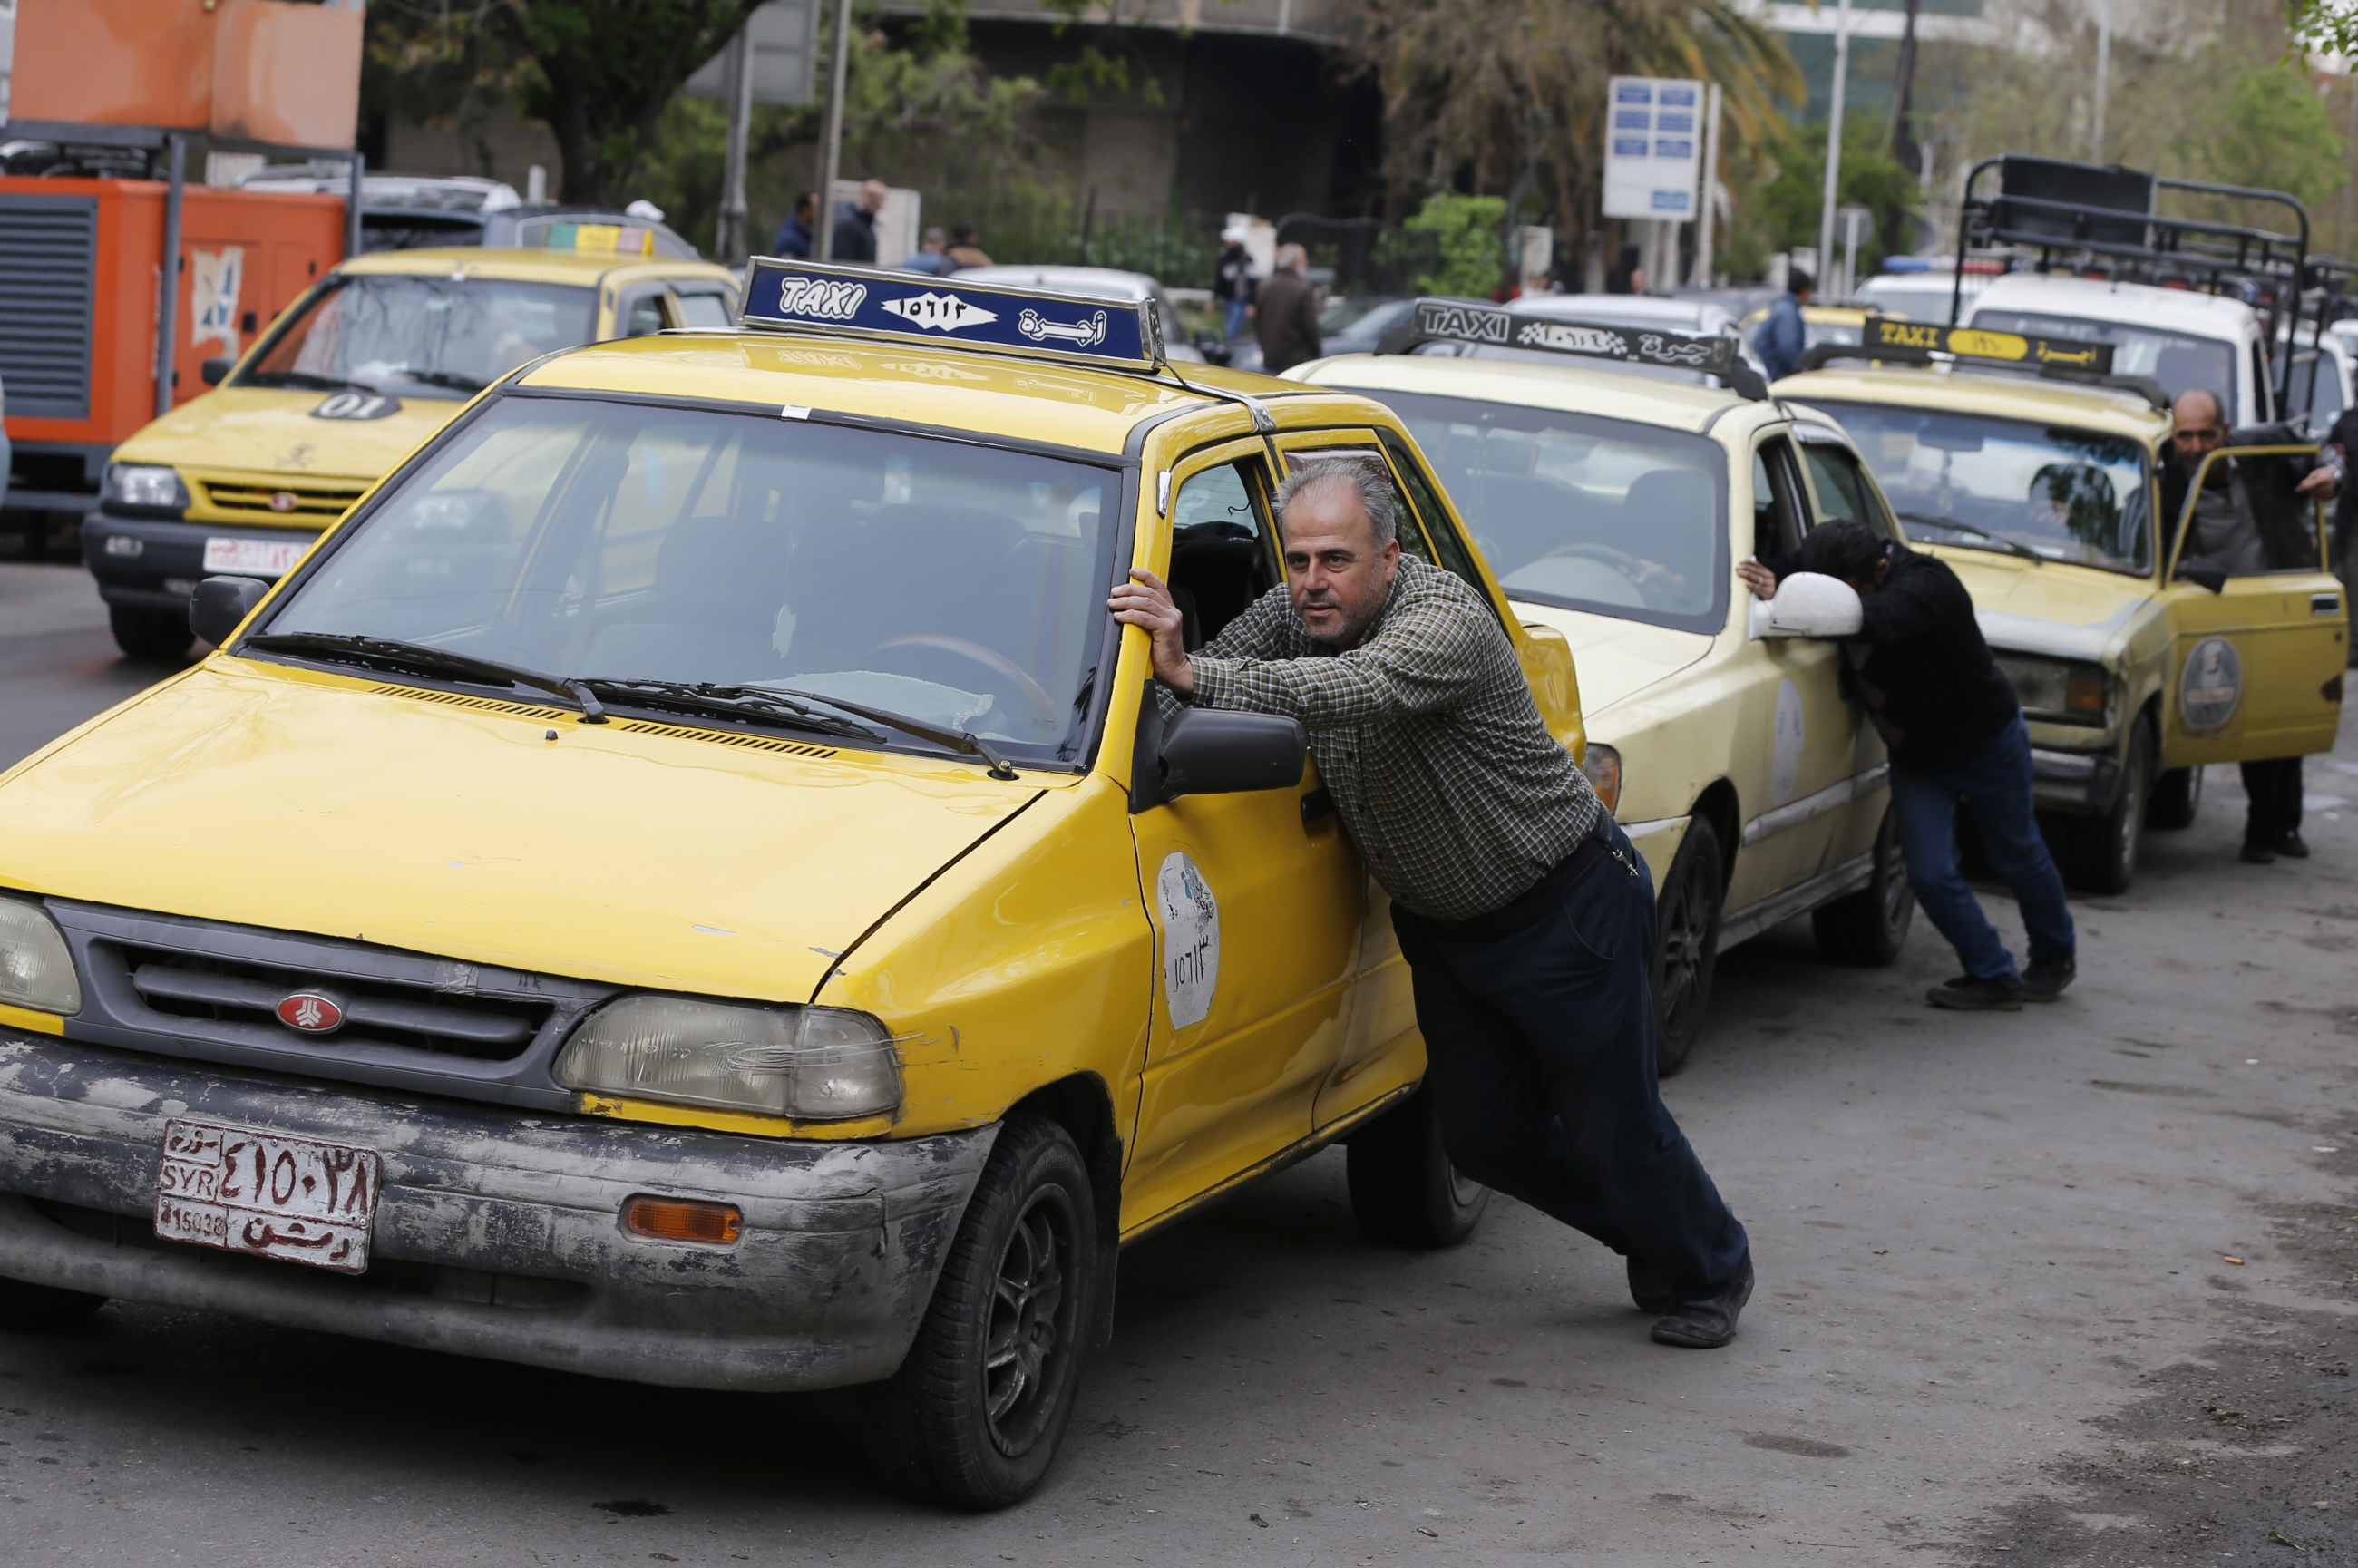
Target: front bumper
x,y
2082,783
497,1233
152,563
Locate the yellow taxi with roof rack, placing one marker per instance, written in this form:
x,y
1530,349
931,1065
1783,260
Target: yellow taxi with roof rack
x,y
382,353
684,883
1614,476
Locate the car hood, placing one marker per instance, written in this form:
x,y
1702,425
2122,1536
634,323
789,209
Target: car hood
x,y
1616,659
261,429
2045,607
629,853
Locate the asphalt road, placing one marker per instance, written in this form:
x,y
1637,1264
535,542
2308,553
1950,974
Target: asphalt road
x,y
1998,1320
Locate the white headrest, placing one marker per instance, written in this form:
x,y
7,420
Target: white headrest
x,y
1809,604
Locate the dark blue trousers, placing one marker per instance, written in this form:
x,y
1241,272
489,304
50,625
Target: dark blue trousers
x,y
1541,1050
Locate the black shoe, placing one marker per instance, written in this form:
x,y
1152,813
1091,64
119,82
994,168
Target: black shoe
x,y
1650,1290
2260,855
2045,980
1706,1325
1966,994
2294,845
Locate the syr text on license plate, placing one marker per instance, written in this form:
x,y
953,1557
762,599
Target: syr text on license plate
x,y
294,1199
253,557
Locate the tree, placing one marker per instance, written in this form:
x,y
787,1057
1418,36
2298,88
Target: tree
x,y
1506,97
1785,212
2275,134
1468,253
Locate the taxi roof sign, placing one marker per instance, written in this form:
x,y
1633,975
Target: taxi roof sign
x,y
872,302
1463,321
622,239
1887,337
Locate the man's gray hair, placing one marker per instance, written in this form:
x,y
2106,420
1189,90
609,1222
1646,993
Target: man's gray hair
x,y
1370,484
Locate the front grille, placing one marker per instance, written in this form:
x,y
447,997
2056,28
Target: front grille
x,y
201,989
309,503
48,288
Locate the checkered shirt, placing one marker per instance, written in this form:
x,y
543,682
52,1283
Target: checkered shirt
x,y
1425,734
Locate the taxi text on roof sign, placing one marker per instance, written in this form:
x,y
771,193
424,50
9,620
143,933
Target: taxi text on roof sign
x,y
622,239
871,303
1920,339
1455,320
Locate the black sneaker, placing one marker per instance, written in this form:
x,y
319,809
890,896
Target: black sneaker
x,y
1706,1325
2294,845
1966,994
2261,855
2045,980
1650,1290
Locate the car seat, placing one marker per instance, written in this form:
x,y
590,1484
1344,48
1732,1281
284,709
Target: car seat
x,y
719,582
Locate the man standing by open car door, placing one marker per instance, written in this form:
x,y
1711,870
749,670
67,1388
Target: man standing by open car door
x,y
1526,917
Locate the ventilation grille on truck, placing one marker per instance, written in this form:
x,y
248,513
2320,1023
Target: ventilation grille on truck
x,y
48,284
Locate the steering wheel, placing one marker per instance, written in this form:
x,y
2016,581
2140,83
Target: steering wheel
x,y
990,659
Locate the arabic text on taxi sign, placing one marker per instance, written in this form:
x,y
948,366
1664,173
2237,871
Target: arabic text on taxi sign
x,y
1457,321
874,303
1918,339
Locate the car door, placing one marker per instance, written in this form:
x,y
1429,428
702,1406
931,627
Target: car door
x,y
2256,669
1257,904
1843,761
643,308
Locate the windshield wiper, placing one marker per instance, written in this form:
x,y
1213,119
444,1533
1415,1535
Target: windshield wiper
x,y
303,378
964,741
425,660
729,701
448,378
2008,545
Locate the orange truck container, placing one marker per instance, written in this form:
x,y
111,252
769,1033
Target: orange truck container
x,y
80,265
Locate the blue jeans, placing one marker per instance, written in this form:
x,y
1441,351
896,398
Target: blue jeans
x,y
1541,1052
1236,311
1995,783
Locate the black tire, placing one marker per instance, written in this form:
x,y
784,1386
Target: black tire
x,y
2176,796
1870,927
1686,946
2105,848
36,1309
1403,1188
974,1415
153,636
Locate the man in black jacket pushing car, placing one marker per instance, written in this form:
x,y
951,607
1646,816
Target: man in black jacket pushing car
x,y
1913,654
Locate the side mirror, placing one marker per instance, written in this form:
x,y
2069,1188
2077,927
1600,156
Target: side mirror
x,y
1214,348
1209,750
2203,572
216,370
220,603
1808,604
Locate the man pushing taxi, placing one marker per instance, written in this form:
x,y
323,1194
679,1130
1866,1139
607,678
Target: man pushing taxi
x,y
1526,917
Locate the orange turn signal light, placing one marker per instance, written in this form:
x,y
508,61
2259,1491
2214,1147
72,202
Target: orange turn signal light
x,y
684,1219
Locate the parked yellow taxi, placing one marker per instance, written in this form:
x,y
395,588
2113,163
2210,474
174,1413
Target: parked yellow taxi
x,y
2136,665
675,886
1613,488
383,352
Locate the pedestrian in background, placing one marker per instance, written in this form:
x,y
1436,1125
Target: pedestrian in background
x,y
796,236
1286,314
1526,917
1954,729
2253,515
1627,276
965,247
1780,339
929,257
855,225
1232,280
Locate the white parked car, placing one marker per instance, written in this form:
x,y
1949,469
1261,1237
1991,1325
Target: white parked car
x,y
1106,282
2175,336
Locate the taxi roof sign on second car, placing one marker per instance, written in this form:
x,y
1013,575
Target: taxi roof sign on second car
x,y
867,302
1461,321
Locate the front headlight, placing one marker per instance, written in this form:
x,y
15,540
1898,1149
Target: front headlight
x,y
37,970
2069,691
1602,766
813,1064
147,486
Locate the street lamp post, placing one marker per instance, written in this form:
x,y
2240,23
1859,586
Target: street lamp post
x,y
1833,141
825,249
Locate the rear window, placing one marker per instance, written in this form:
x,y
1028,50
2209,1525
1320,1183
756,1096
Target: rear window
x,y
2177,360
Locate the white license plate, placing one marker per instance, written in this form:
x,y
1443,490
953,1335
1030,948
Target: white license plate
x,y
254,558
256,1193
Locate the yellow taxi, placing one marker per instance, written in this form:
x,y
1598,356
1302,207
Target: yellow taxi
x,y
2136,665
383,352
682,883
1614,488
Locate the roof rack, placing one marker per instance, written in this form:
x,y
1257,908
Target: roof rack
x,y
1487,325
903,306
2101,218
1885,339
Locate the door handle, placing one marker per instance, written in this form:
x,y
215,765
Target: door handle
x,y
1316,806
2325,604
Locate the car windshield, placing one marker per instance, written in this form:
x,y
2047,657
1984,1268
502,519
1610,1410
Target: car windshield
x,y
1584,513
439,336
2179,360
1961,479
959,584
